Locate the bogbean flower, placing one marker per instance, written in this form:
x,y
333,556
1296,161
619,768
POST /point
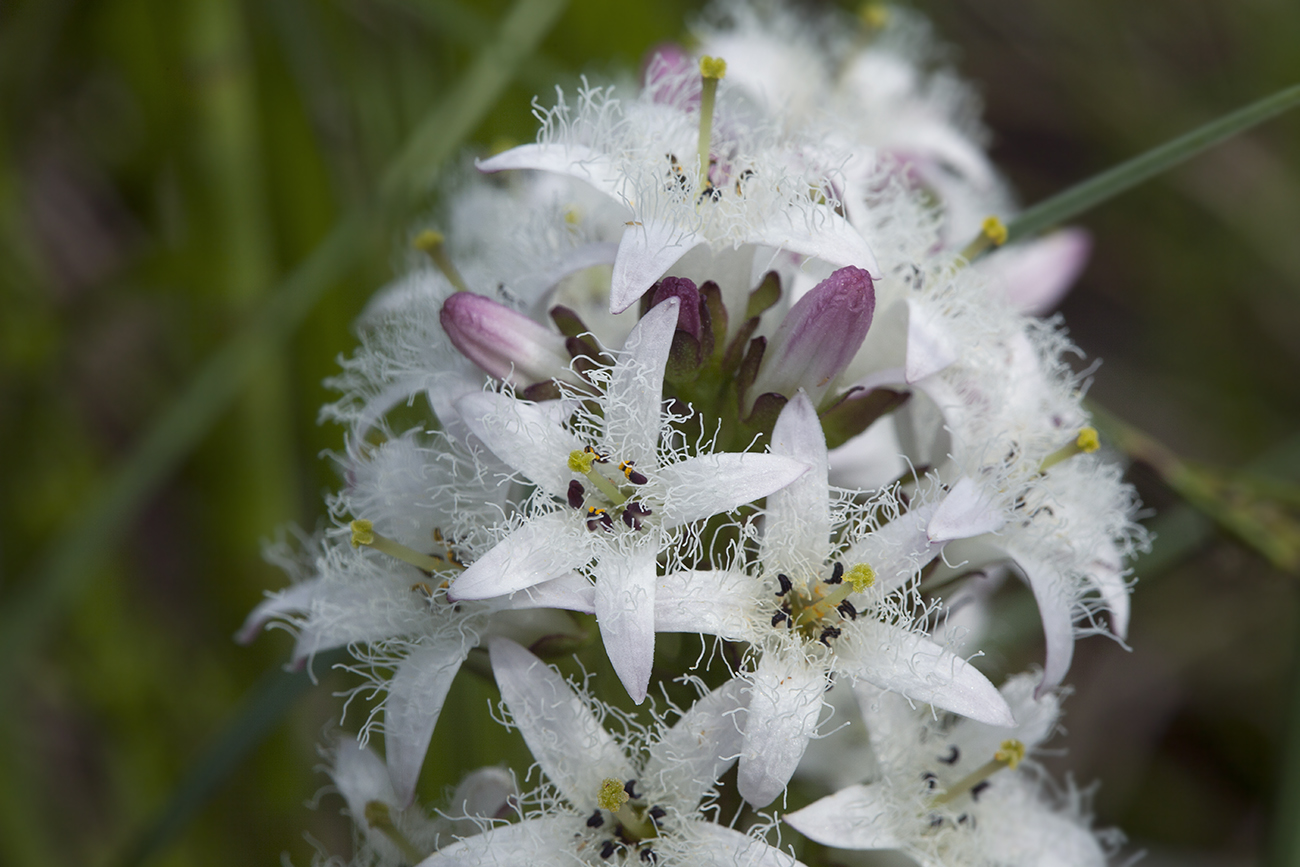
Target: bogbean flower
x,y
616,487
612,807
813,607
955,792
378,584
693,166
392,832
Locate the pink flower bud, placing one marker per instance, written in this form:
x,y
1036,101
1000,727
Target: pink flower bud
x,y
506,344
688,313
818,337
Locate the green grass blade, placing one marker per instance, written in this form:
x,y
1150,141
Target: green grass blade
x,y
264,704
1092,192
95,528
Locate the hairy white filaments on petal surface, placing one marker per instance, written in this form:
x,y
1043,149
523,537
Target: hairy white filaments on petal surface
x,y
760,187
615,488
813,609
629,800
952,791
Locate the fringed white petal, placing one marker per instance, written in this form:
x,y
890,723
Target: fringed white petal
x,y
544,548
929,346
291,600
822,235
566,739
858,817
896,551
571,592
1056,609
1036,275
526,436
703,486
717,846
797,526
532,843
647,250
968,510
699,748
905,662
625,611
713,602
785,700
361,777
634,398
415,697
576,161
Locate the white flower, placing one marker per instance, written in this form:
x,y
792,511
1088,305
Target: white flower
x,y
955,792
815,608
613,808
615,525
761,187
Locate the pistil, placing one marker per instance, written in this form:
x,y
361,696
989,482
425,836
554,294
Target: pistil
x,y
712,69
1009,756
1085,443
363,533
583,462
433,244
993,233
857,579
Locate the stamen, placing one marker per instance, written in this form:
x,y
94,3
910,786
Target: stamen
x,y
827,634
606,849
861,576
363,533
1085,443
596,819
993,233
953,755
633,513
785,582
598,518
1009,755
433,244
712,69
576,494
632,475
837,573
846,609
582,462
379,817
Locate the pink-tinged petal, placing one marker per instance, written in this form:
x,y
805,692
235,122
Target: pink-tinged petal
x,y
503,342
1037,275
526,436
647,250
576,161
1056,609
912,665
545,548
896,551
703,486
858,817
566,739
716,846
571,592
822,235
713,602
796,529
929,346
361,777
698,749
625,611
291,600
634,397
415,697
531,843
968,511
784,703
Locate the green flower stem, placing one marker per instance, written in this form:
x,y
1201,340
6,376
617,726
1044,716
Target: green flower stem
x,y
72,557
1092,192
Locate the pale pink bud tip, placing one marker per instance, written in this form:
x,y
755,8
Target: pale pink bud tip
x,y
688,313
819,336
505,343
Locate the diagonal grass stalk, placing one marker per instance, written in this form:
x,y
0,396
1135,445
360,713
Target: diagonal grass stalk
x,y
1110,183
71,558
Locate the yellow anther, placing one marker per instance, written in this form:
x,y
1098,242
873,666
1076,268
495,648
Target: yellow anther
x,y
860,576
1088,441
612,795
713,67
995,230
421,587
1011,754
363,533
581,461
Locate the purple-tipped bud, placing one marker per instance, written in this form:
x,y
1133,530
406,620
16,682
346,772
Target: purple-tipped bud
x,y
818,338
688,312
506,344
671,76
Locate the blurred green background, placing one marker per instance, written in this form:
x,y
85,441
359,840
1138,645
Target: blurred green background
x,y
167,165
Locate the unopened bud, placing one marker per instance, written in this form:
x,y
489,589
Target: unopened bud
x,y
688,312
818,337
506,344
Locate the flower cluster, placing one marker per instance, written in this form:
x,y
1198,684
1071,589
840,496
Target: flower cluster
x,y
722,356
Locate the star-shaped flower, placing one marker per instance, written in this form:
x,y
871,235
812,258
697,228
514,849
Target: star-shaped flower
x,y
813,607
613,807
616,486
